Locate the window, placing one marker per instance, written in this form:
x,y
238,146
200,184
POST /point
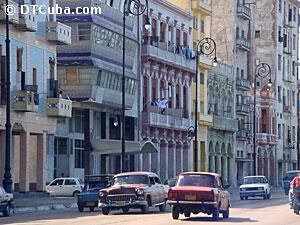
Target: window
x,y
19,59
293,68
157,180
34,76
84,32
257,34
201,78
293,98
202,26
79,153
294,133
237,72
242,74
294,41
84,75
71,76
279,62
57,182
280,5
294,15
195,22
237,32
70,182
279,94
79,121
279,131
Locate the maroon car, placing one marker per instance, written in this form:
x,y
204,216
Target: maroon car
x,y
134,190
199,192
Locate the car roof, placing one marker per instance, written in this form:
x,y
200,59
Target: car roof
x,y
136,173
293,171
200,173
254,176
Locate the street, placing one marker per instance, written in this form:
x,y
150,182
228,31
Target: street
x,y
254,211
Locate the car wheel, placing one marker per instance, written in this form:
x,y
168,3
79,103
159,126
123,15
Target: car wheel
x,y
226,214
80,208
6,211
175,213
215,214
187,214
266,196
269,196
75,193
125,210
162,207
92,209
246,198
105,211
242,198
296,210
145,208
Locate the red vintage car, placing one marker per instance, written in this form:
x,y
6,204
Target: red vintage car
x,y
199,192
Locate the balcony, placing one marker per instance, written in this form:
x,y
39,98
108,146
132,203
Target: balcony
x,y
266,139
242,109
164,54
287,109
27,22
243,84
225,124
170,118
14,19
25,101
242,135
59,107
244,12
243,43
58,32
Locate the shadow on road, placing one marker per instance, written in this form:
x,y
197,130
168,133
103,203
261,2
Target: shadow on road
x,y
231,220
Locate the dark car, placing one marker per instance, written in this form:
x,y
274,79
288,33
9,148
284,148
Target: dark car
x,y
89,197
288,177
199,192
6,202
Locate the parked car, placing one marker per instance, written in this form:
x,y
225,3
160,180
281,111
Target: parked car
x,y
7,203
65,186
90,195
171,182
134,190
287,178
199,192
253,186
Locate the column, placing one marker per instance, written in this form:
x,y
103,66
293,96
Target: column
x,y
179,149
163,160
174,96
2,154
218,166
174,33
24,162
149,89
158,27
180,96
41,162
158,89
181,34
212,163
185,157
188,36
171,159
167,31
189,100
225,168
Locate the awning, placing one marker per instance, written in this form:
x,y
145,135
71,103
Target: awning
x,y
104,146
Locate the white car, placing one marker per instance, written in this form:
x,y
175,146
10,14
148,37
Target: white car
x,y
253,186
65,186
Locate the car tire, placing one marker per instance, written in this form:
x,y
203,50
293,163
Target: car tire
x,y
269,196
145,208
242,198
187,214
6,211
80,208
215,214
246,198
266,196
92,209
105,211
125,210
175,213
162,207
296,210
226,214
75,193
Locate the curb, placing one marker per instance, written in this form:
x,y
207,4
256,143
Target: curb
x,y
44,208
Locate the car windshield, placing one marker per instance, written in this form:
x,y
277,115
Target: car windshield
x,y
197,180
254,180
131,179
290,176
96,184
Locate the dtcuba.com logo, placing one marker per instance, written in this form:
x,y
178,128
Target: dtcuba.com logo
x,y
43,9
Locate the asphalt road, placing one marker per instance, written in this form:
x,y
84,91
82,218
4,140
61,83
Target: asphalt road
x,y
251,212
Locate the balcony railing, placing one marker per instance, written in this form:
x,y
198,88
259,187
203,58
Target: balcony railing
x,y
242,134
265,138
224,123
243,43
59,107
244,11
243,84
242,108
58,32
14,18
26,101
27,22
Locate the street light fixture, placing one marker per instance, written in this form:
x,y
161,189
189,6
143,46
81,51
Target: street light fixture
x,y
262,70
207,47
135,8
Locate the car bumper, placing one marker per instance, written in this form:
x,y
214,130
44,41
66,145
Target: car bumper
x,y
252,193
88,204
135,204
171,202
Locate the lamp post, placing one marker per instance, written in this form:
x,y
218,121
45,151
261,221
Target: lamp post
x,y
7,182
262,70
206,46
135,8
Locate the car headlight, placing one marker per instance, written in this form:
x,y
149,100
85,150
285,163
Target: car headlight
x,y
139,191
102,194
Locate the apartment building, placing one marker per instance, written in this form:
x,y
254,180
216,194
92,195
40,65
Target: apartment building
x,y
35,103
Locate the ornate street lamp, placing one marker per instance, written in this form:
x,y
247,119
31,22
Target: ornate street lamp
x,y
134,8
7,182
262,70
208,47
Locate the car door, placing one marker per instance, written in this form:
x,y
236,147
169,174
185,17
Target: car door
x,y
70,186
160,190
154,191
56,186
2,199
221,193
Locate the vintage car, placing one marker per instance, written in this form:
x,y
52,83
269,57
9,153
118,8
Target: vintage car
x,y
287,178
6,202
199,192
89,197
134,190
253,186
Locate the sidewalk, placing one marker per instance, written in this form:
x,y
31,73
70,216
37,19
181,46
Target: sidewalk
x,y
34,202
